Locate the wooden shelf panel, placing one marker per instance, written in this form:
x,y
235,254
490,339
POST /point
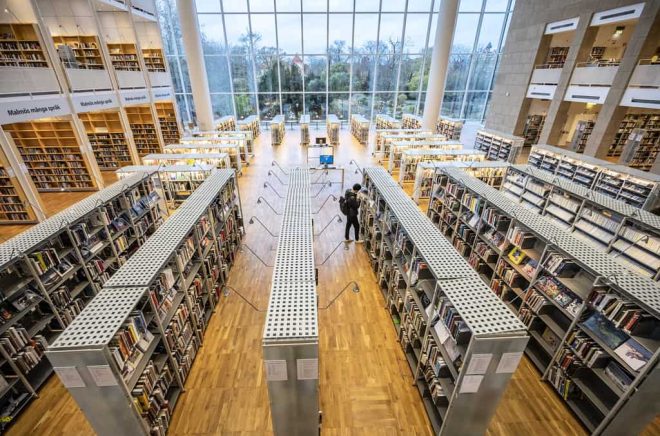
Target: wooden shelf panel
x,y
144,130
20,47
124,57
79,52
107,138
168,125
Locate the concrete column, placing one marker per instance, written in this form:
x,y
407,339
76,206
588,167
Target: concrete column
x,y
444,33
643,43
192,44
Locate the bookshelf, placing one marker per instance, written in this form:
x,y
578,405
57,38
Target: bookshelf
x,y
252,124
293,293
360,128
490,172
106,136
79,52
435,299
641,149
52,270
386,134
635,187
149,320
597,53
227,122
386,122
332,126
143,127
124,57
304,130
277,129
169,127
218,160
632,121
174,182
386,140
581,135
397,148
498,146
245,137
450,127
232,146
14,205
154,60
52,154
583,311
20,47
532,129
557,57
411,158
410,121
627,234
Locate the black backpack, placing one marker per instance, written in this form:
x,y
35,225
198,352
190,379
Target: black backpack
x,y
343,206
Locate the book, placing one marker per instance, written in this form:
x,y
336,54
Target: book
x,y
605,330
633,353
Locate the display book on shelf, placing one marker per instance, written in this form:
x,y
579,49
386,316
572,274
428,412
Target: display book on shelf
x,y
293,294
20,46
106,136
251,124
638,188
641,148
386,140
153,59
490,172
498,145
231,147
244,137
175,183
124,56
628,234
397,148
126,357
79,51
219,160
412,157
360,128
14,205
450,127
277,129
381,133
532,130
304,129
410,121
49,273
387,122
461,342
52,155
593,324
332,126
648,121
583,130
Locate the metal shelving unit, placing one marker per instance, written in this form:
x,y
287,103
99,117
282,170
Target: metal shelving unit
x,y
277,129
332,127
386,122
304,130
250,124
461,342
385,138
410,121
125,359
235,144
360,128
582,309
396,149
290,339
450,127
200,145
229,136
498,145
411,158
51,271
217,159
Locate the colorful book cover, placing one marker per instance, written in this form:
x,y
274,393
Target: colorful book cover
x,y
633,353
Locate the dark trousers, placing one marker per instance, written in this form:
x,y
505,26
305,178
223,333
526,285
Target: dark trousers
x,y
352,221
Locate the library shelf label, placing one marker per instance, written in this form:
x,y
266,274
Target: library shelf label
x,y
134,97
32,109
276,370
162,94
308,369
102,375
88,102
70,377
471,384
508,363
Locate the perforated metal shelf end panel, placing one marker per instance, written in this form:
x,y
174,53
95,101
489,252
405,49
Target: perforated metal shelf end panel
x,y
97,324
292,313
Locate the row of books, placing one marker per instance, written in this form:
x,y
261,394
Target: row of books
x,y
73,309
624,314
130,342
563,296
450,317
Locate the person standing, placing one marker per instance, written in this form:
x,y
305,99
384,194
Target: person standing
x,y
351,208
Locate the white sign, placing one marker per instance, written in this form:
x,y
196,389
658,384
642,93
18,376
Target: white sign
x,y
471,384
87,102
508,362
162,94
276,370
102,375
25,110
479,363
134,97
70,377
308,369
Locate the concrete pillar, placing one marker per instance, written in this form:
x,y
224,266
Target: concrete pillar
x,y
643,43
444,33
192,44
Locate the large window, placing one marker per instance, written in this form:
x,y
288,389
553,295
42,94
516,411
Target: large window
x,y
363,56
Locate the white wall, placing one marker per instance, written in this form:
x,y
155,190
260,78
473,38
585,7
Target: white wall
x,y
21,9
116,27
68,17
576,112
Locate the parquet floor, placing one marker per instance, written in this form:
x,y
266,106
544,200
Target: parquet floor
x,y
365,383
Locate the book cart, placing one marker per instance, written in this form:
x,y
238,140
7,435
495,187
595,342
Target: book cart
x,y
449,127
125,359
290,337
628,234
360,128
410,159
202,145
51,271
304,130
593,324
277,129
633,186
460,341
397,148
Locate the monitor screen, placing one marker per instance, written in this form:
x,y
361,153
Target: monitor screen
x,y
321,140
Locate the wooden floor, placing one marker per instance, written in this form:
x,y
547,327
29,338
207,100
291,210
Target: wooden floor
x,y
365,383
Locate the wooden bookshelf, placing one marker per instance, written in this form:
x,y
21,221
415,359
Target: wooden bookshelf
x,y
20,47
630,122
52,155
532,131
124,57
107,138
167,120
79,52
14,207
144,130
557,56
641,149
154,60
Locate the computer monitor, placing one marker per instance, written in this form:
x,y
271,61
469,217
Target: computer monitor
x,y
321,140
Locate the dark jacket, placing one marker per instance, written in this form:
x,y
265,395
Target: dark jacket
x,y
352,203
